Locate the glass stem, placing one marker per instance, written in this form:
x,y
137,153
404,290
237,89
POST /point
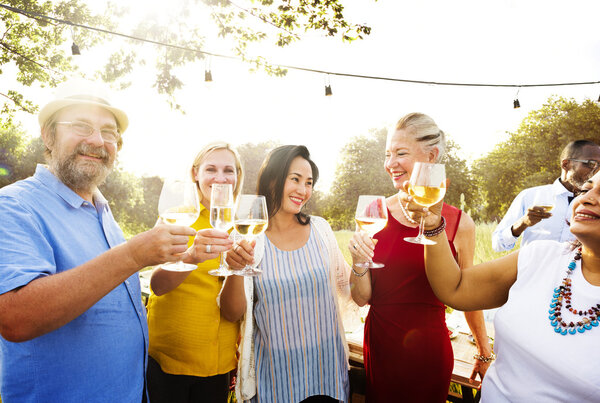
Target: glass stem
x,y
421,227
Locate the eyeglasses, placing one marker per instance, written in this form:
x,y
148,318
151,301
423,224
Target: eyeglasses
x,y
591,164
86,130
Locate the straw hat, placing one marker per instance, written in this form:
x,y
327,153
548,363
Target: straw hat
x,y
74,93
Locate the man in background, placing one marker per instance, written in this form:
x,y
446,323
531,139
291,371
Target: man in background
x,y
531,214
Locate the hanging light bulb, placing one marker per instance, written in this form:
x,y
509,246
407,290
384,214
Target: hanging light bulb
x,y
328,91
598,98
75,49
207,72
516,103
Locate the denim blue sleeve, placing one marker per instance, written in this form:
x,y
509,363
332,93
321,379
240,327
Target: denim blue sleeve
x,y
25,253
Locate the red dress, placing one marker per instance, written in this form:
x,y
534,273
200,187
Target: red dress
x,y
407,352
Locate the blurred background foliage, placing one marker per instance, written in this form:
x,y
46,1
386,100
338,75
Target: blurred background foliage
x,y
484,188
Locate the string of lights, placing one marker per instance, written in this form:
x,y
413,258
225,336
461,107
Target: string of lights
x,y
38,16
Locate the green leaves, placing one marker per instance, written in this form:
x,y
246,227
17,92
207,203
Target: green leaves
x,y
530,156
40,47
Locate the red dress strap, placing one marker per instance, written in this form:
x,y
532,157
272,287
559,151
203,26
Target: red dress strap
x,y
452,216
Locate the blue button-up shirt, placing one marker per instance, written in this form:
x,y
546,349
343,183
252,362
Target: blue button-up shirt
x,y
555,227
46,228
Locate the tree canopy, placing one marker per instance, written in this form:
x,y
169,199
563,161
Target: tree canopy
x,y
530,156
35,37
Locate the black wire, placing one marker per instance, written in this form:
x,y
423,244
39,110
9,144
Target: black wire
x,y
32,14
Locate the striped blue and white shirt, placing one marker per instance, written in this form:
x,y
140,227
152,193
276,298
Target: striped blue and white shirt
x,y
299,351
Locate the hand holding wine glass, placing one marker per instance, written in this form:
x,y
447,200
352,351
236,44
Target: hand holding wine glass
x,y
371,217
543,204
178,205
251,219
221,206
427,186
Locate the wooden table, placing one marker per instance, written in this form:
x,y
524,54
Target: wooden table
x,y
463,365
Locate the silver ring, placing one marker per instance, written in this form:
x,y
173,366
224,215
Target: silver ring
x,y
354,246
208,247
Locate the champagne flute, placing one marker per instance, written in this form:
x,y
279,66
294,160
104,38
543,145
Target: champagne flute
x,y
371,217
251,219
221,206
178,204
427,186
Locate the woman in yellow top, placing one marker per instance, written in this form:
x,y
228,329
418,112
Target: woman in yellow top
x,y
192,347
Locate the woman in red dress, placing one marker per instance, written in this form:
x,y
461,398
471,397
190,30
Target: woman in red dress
x,y
407,351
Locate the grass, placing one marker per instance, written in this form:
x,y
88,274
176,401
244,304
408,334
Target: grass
x,y
343,238
483,244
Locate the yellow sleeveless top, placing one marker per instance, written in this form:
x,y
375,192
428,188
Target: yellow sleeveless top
x,y
188,336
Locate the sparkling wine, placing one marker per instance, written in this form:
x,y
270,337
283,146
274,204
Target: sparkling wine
x,y
221,217
371,225
427,195
250,227
547,208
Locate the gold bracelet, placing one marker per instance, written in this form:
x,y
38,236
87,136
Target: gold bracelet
x,y
485,359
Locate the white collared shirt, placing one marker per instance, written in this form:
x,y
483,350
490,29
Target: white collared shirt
x,y
555,227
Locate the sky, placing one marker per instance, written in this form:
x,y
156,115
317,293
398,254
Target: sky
x,y
494,42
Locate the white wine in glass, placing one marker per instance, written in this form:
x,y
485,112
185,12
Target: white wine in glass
x,y
251,220
221,217
427,186
178,204
371,217
546,202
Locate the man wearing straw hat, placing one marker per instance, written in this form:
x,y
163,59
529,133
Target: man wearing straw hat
x,y
72,324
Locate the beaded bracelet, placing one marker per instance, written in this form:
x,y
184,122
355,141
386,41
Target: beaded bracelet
x,y
485,359
436,231
357,274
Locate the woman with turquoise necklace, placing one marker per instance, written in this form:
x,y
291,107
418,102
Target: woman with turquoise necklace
x,y
547,334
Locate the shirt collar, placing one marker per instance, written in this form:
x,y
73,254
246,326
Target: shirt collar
x,y
558,188
48,179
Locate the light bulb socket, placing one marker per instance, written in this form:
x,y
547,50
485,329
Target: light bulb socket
x,y
516,104
207,76
328,91
75,49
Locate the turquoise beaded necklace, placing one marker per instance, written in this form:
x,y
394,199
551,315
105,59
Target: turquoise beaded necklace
x,y
562,294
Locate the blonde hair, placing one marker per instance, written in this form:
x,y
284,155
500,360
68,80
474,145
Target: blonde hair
x,y
425,131
220,145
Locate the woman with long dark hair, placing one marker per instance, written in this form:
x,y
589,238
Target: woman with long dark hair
x,y
296,351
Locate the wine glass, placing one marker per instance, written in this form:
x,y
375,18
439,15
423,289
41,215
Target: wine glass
x,y
251,219
427,186
178,204
221,206
371,217
545,201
